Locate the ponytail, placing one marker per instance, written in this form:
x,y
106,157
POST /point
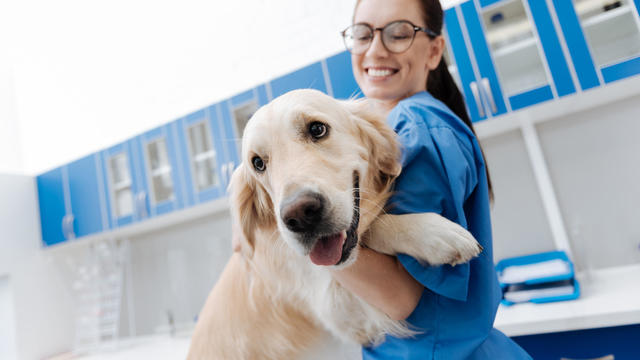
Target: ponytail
x,y
441,85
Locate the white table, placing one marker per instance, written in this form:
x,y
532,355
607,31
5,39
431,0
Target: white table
x,y
609,297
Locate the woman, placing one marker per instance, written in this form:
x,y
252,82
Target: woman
x,y
396,50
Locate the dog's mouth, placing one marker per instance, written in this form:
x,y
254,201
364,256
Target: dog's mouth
x,y
335,249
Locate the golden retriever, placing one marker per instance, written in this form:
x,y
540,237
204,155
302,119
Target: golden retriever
x,y
315,176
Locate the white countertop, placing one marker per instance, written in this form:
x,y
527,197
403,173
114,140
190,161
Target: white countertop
x,y
608,297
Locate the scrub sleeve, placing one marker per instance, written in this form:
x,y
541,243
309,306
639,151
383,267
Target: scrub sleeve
x,y
443,171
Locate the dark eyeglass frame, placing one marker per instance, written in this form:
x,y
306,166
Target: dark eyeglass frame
x,y
430,33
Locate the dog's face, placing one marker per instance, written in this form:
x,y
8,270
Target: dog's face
x,y
308,163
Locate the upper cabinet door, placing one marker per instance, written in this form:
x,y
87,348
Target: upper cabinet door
x,y
603,37
87,196
340,74
201,149
461,67
517,51
51,199
157,151
124,186
309,77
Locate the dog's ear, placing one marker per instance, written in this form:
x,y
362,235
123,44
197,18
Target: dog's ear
x,y
381,142
250,208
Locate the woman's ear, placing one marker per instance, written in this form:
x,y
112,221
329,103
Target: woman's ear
x,y
436,48
250,209
380,141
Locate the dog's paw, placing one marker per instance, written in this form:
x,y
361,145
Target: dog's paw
x,y
428,237
464,247
448,243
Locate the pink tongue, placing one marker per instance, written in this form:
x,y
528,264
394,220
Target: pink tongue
x,y
328,250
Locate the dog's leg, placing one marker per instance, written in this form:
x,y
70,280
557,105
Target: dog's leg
x,y
428,237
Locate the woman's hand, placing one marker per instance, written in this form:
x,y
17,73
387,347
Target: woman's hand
x,y
383,282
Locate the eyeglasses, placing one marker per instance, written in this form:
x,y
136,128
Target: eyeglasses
x,y
397,36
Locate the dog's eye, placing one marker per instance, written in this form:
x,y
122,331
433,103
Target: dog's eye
x,y
318,130
258,164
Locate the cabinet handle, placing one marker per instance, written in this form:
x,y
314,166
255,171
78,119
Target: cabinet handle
x,y
223,175
487,88
67,227
476,96
230,169
141,208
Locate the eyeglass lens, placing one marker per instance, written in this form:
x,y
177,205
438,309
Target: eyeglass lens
x,y
396,37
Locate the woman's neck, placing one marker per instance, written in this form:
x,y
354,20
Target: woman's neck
x,y
384,106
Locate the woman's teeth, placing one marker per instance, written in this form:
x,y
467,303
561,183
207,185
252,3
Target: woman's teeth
x,y
379,72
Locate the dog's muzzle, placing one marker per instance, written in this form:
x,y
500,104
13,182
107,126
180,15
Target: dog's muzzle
x,y
305,214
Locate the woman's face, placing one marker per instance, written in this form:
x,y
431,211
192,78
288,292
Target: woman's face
x,y
387,76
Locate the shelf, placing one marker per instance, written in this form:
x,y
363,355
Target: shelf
x,y
161,171
515,47
559,108
606,16
609,297
122,185
204,156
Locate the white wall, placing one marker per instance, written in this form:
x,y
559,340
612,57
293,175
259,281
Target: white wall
x,y
87,74
7,324
38,285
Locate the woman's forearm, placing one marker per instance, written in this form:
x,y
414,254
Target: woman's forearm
x,y
383,282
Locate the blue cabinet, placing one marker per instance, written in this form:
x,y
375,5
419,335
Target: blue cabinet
x,y
340,74
124,183
508,55
202,156
309,77
72,200
51,199
156,153
87,196
603,39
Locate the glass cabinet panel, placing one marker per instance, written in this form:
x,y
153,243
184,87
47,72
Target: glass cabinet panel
x,y
120,179
514,46
611,29
160,170
203,157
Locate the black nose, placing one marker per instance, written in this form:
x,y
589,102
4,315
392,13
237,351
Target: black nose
x,y
303,211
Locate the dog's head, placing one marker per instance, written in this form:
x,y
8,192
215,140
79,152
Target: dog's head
x,y
316,168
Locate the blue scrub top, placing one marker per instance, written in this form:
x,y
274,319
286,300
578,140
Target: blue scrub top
x,y
443,171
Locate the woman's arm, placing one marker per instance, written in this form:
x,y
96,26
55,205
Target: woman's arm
x,y
383,282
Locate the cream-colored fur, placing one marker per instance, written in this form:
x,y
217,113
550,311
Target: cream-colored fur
x,y
272,302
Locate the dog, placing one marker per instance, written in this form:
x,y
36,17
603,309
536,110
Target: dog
x,y
311,189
